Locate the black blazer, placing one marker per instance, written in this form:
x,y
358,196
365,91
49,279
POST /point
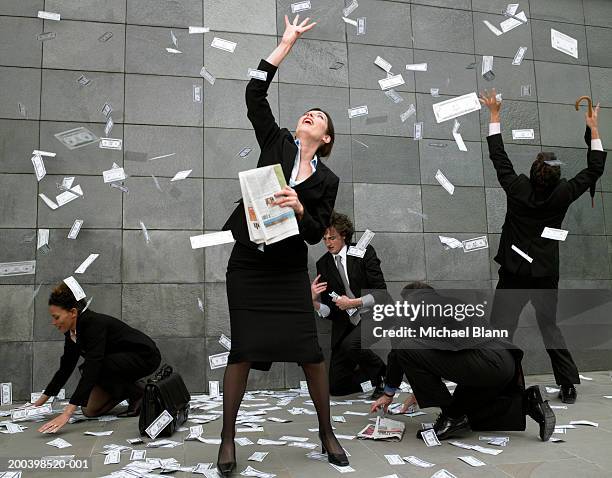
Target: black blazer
x,y
364,274
98,336
317,193
528,211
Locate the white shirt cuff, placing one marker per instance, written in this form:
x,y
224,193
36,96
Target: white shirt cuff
x,y
367,301
494,128
323,310
596,145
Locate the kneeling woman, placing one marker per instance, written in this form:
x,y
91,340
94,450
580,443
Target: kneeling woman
x,y
116,357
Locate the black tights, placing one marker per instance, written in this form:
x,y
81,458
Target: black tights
x,y
99,403
234,385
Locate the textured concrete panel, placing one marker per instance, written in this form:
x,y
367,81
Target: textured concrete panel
x,y
220,196
146,51
365,74
222,16
19,245
580,258
90,159
448,72
216,262
561,125
88,208
391,29
106,299
67,254
309,63
144,143
599,41
226,107
295,100
17,368
20,85
340,160
177,206
391,160
221,150
582,218
442,29
24,8
454,264
510,78
559,83
17,312
63,99
188,357
557,10
168,258
383,116
600,81
162,100
345,200
490,6
597,12
375,211
542,49
17,140
464,211
506,45
46,360
93,10
18,199
217,310
496,209
76,47
464,166
402,255
20,31
235,66
164,310
174,13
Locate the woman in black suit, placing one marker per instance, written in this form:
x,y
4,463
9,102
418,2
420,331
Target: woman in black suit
x,y
116,357
268,287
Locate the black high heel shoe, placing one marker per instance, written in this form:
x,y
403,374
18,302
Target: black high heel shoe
x,y
338,459
226,469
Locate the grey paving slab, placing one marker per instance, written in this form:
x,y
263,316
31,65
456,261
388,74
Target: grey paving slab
x,y
442,29
374,211
600,77
506,45
464,166
597,39
177,13
17,357
17,140
575,82
383,116
446,71
18,312
509,79
20,86
146,51
597,12
18,193
496,6
454,264
77,47
327,15
563,11
224,16
392,29
22,248
27,8
220,196
21,31
363,73
542,49
221,151
557,121
448,213
402,256
91,10
517,115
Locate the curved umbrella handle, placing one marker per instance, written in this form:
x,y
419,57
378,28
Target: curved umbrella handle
x,y
589,101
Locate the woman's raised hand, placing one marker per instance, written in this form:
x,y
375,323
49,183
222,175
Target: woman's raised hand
x,y
294,30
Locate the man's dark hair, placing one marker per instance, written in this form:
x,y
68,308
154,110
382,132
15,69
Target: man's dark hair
x,y
410,288
325,150
343,224
63,297
542,175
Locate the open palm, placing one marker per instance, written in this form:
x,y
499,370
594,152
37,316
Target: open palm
x,y
294,30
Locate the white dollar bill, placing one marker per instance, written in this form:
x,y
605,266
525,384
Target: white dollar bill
x,y
108,126
76,138
455,107
197,94
114,174
475,244
522,254
6,393
8,269
520,54
198,30
222,44
300,6
218,360
75,287
523,134
554,234
382,63
258,74
417,67
86,263
564,43
350,8
487,68
49,15
391,82
418,131
394,96
39,167
430,438
111,143
211,239
213,388
158,425
444,182
365,239
358,111
46,36
413,460
408,113
493,28
225,341
204,73
361,26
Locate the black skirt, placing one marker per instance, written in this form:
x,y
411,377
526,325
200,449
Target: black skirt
x,y
271,313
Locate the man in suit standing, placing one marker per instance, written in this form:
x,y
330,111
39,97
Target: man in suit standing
x,y
348,276
529,262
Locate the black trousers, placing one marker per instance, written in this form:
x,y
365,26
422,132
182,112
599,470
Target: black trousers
x,y
347,356
489,384
542,292
119,371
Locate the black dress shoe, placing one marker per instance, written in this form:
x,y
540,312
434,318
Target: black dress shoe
x,y
378,391
540,411
338,459
447,427
568,394
226,469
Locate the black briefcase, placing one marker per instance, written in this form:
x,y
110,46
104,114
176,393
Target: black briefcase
x,y
165,391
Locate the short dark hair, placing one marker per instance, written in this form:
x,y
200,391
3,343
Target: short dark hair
x,y
542,174
325,150
62,296
343,224
409,288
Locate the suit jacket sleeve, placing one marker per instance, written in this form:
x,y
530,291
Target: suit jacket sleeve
x,y
67,363
314,222
503,166
596,160
94,343
395,373
258,109
374,274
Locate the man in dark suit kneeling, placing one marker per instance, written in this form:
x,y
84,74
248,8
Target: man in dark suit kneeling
x,y
348,276
490,392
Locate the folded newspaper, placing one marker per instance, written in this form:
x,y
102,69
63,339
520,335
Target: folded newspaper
x,y
383,429
267,223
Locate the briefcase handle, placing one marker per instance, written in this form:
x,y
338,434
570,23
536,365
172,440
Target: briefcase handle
x,y
164,371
